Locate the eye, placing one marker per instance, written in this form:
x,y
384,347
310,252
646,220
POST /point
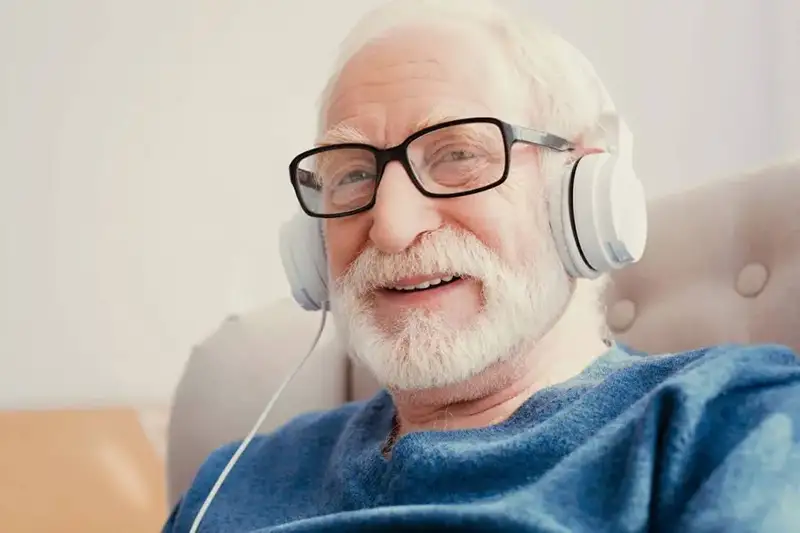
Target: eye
x,y
455,153
355,176
352,189
460,154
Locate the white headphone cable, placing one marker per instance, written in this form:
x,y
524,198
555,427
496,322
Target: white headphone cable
x,y
246,442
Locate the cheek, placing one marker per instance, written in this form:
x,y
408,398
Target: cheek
x,y
511,218
344,241
498,219
526,196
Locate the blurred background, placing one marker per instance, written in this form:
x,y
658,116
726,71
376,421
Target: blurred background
x,y
144,148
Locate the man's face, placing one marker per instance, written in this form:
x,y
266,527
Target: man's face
x,y
509,282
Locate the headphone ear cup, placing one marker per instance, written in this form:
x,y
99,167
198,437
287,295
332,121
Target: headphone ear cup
x,y
609,214
562,222
302,250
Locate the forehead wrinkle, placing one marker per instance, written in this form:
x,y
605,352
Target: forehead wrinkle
x,y
380,77
344,94
368,92
345,132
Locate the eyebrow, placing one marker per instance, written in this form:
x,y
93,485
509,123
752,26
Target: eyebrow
x,y
343,133
437,116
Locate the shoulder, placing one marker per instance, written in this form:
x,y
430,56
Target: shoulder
x,y
315,431
726,367
763,353
722,430
753,379
730,390
296,450
717,368
698,375
739,407
707,402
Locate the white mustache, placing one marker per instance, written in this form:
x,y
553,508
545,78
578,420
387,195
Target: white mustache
x,y
445,252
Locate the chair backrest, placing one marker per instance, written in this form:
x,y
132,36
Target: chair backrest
x,y
230,377
87,470
722,265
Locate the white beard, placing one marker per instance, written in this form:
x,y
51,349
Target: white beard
x,y
423,351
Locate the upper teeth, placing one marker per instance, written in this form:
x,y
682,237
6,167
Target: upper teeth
x,y
423,285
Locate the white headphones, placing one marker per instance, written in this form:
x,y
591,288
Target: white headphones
x,y
598,215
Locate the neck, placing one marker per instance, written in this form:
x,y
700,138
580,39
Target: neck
x,y
494,395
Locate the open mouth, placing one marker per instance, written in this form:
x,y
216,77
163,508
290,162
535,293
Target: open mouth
x,y
430,284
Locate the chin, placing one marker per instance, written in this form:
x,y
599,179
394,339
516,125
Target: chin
x,y
412,323
429,340
422,349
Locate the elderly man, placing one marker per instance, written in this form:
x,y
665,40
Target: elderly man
x,y
505,405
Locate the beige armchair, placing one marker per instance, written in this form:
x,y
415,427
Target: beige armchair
x,y
87,470
722,265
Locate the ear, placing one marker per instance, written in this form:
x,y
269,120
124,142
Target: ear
x,y
599,137
589,142
581,151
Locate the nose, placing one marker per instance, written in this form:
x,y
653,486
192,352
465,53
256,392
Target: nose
x,y
401,213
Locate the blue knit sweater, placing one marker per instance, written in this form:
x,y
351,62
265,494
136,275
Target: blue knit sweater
x,y
704,441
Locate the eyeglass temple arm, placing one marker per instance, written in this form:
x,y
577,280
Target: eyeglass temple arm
x,y
541,138
308,179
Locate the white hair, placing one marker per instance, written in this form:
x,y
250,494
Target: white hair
x,y
566,95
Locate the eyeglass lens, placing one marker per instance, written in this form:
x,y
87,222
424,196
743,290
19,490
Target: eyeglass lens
x,y
449,160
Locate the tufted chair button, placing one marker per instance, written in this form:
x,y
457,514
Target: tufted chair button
x,y
752,280
621,316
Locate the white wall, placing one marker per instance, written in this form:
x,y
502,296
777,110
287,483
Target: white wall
x,y
144,145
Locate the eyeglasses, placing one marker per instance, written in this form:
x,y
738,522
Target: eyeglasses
x,y
448,160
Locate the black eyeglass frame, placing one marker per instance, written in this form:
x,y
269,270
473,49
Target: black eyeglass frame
x,y
383,156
